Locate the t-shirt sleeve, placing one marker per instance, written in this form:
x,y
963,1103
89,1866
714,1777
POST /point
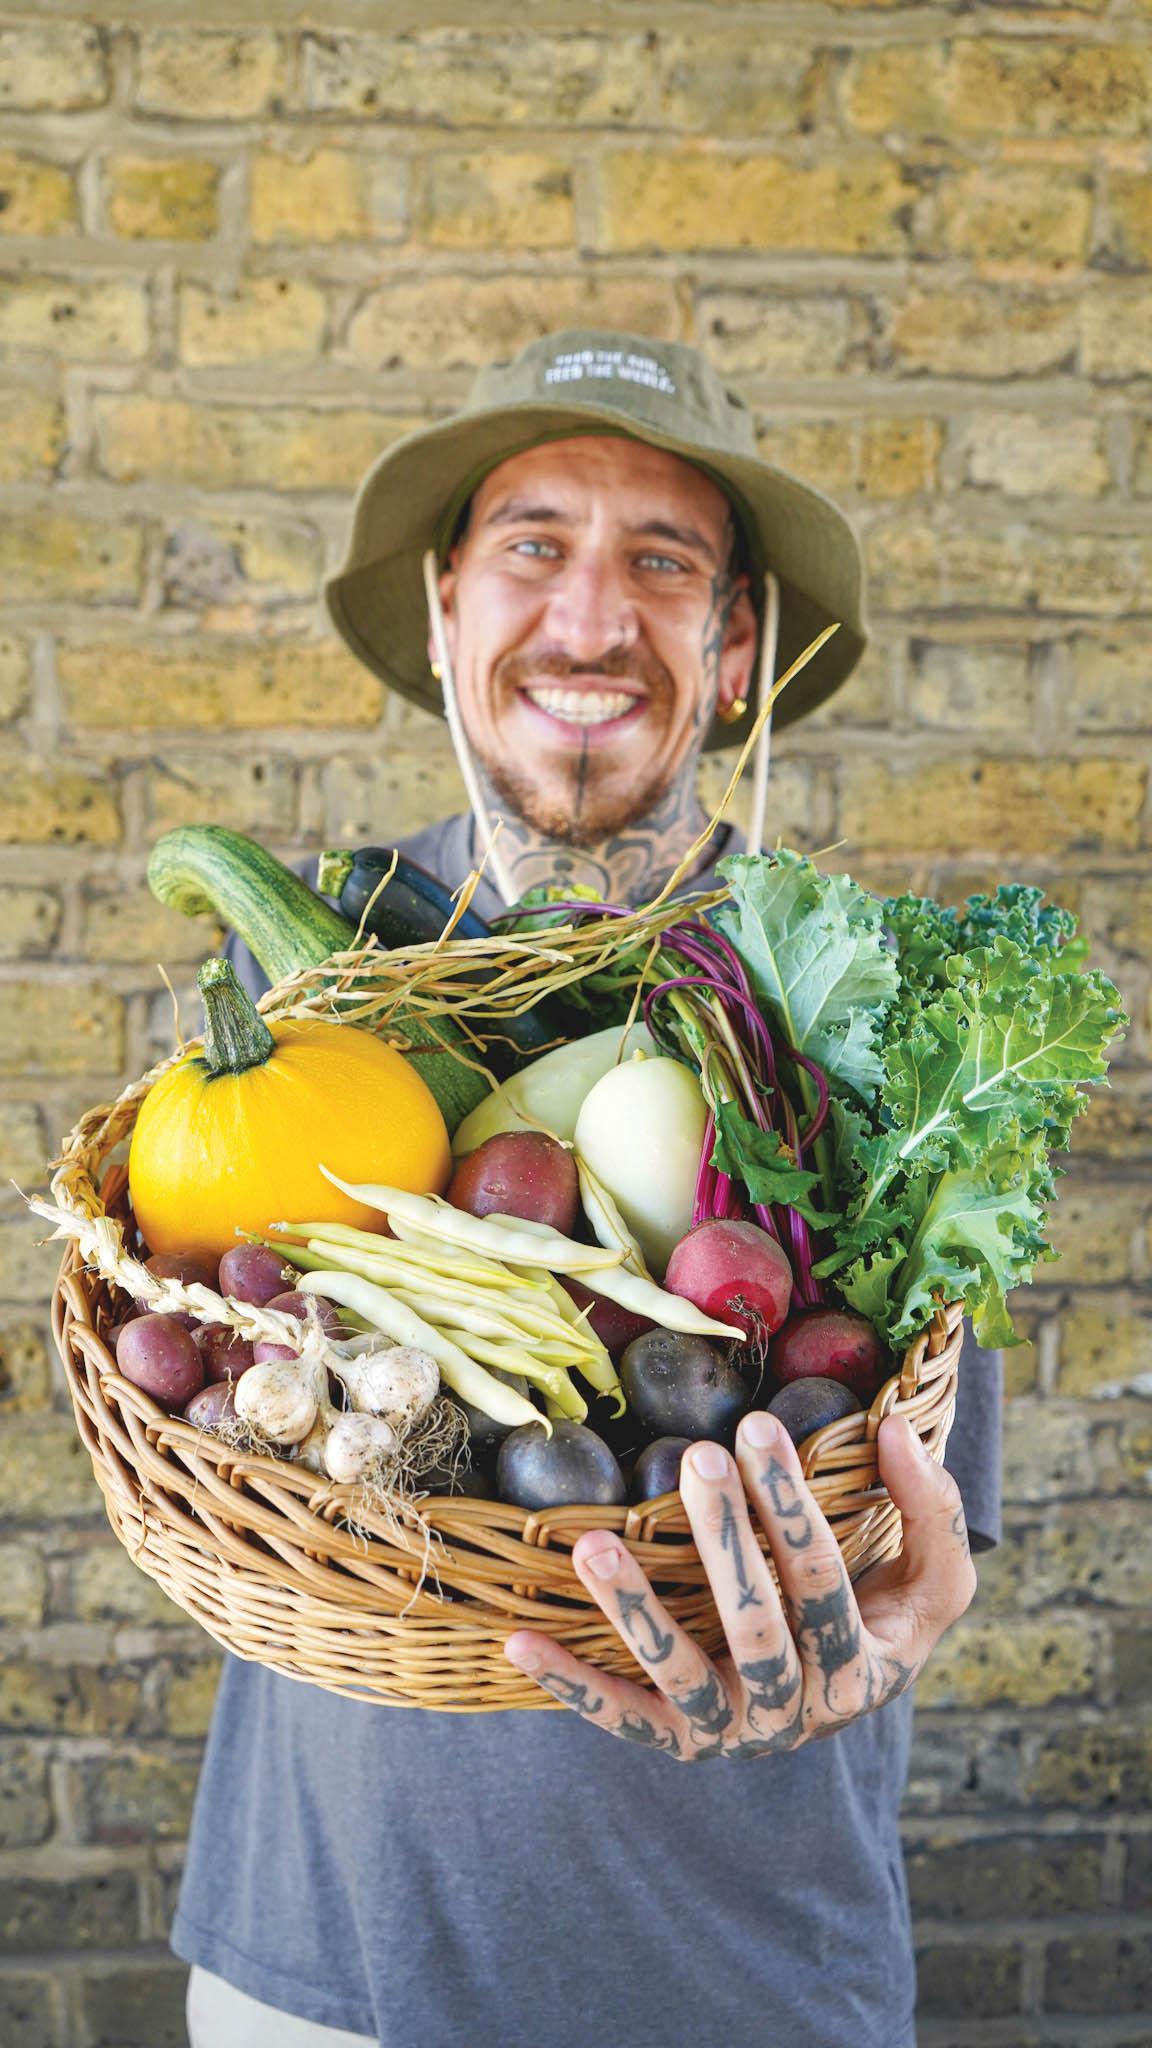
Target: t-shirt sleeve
x,y
973,1451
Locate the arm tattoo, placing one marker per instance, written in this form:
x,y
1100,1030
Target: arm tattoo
x,y
730,1540
661,1642
787,1503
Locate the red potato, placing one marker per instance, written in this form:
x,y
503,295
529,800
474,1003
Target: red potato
x,y
213,1405
304,1307
615,1326
226,1355
519,1173
251,1272
185,1266
157,1354
831,1344
735,1272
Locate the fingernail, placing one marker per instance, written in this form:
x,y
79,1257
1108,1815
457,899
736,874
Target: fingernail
x,y
527,1658
603,1564
709,1461
760,1430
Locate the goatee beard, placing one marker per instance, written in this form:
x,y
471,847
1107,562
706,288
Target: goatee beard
x,y
585,826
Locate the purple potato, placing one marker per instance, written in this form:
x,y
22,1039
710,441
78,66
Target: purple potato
x,y
804,1406
571,1468
158,1355
657,1468
681,1386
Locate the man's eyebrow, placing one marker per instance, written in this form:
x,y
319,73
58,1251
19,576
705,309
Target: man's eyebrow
x,y
524,511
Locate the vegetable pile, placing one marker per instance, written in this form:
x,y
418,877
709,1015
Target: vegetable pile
x,y
770,1135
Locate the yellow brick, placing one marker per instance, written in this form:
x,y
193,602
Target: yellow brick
x,y
824,452
169,198
29,1264
972,689
253,795
866,698
56,64
229,447
15,678
462,78
1017,1663
983,334
1130,212
1094,1227
107,1586
748,332
330,195
846,207
211,74
1117,333
1034,217
190,1697
75,322
899,457
33,437
25,1366
36,198
505,201
29,921
1033,454
267,319
133,927
1111,685
987,86
443,323
216,564
23,1152
915,565
1102,1349
790,799
50,555
1117,915
51,805
727,82
56,1028
1012,807
218,685
23,1585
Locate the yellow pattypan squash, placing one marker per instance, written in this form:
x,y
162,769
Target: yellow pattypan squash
x,y
232,1138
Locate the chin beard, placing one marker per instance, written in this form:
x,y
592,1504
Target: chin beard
x,y
597,820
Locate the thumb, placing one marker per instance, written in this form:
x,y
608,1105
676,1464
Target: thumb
x,y
932,1510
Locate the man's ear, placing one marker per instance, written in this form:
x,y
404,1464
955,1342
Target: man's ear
x,y
738,653
446,582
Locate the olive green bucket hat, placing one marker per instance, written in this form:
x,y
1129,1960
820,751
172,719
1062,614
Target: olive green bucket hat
x,y
577,382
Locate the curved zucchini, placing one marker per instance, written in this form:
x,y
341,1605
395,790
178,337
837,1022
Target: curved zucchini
x,y
202,869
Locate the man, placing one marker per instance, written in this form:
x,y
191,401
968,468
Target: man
x,y
603,525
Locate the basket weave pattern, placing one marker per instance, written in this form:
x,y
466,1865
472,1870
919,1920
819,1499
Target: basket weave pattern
x,y
301,1574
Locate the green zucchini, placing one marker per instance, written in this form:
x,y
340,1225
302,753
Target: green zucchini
x,y
207,870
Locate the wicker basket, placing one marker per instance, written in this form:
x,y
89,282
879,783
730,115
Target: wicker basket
x,y
301,1574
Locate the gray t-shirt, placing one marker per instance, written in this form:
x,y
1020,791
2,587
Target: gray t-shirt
x,y
523,1880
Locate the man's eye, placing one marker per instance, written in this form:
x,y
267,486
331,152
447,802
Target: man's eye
x,y
544,549
661,562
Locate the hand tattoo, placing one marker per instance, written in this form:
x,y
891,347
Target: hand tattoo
x,y
660,1641
730,1540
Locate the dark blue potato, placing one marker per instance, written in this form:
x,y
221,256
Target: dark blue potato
x,y
571,1468
484,1429
681,1386
804,1406
658,1468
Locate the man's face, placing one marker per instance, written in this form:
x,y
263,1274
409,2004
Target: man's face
x,y
592,623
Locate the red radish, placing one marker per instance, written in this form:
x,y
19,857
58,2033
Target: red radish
x,y
735,1272
615,1326
305,1308
831,1344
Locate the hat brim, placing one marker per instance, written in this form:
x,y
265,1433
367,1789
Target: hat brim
x,y
409,500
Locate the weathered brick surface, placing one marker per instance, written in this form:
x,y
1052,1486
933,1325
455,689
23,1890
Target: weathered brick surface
x,y
244,253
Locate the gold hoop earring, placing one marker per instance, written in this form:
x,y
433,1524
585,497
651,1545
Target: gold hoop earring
x,y
437,671
731,714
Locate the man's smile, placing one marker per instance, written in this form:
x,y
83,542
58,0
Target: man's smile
x,y
584,705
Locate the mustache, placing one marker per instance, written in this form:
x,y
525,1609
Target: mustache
x,y
632,665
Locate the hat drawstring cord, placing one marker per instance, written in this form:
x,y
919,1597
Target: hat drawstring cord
x,y
501,874
762,759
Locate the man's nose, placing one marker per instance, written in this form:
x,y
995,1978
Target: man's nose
x,y
589,610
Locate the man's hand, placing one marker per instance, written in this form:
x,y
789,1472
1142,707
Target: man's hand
x,y
798,1668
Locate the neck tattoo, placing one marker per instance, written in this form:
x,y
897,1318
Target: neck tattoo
x,y
630,866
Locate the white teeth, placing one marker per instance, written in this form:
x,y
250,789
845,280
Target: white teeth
x,y
593,707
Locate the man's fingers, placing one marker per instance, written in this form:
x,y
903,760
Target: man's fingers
x,y
612,1703
816,1587
668,1653
763,1653
939,1577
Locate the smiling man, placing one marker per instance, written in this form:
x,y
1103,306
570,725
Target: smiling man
x,y
603,524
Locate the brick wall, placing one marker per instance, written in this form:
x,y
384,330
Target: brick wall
x,y
243,257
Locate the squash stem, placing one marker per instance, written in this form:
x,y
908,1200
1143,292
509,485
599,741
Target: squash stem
x,y
235,1035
